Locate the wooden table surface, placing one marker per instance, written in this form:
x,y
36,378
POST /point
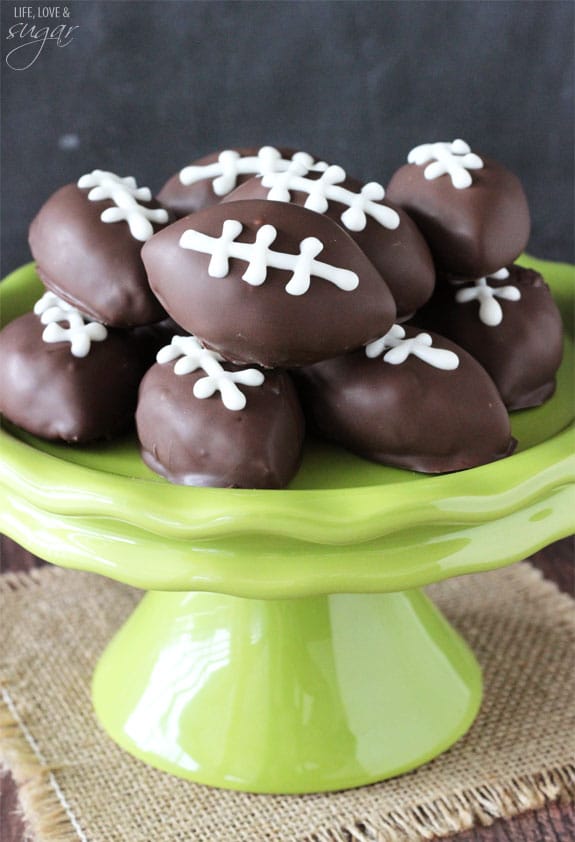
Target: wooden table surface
x,y
555,823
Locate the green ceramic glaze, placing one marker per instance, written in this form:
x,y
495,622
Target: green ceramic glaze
x,y
310,663
286,696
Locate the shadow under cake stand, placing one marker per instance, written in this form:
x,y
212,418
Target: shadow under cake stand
x,y
285,644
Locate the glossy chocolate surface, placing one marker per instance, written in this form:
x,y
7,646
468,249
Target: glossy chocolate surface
x,y
265,324
473,231
94,265
523,352
410,415
194,441
50,393
401,255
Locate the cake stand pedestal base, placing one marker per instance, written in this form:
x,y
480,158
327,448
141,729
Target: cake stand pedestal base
x,y
286,696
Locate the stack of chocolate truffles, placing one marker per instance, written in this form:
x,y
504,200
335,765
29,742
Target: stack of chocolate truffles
x,y
70,370
263,292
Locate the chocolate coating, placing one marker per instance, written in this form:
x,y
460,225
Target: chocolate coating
x,y
183,199
265,324
401,256
94,265
50,393
523,352
410,415
200,442
150,338
471,232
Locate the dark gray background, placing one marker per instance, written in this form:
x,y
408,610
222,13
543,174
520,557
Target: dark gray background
x,y
145,87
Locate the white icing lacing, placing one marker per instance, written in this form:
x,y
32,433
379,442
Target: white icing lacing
x,y
125,193
325,189
230,164
190,356
260,258
453,159
398,349
490,311
81,330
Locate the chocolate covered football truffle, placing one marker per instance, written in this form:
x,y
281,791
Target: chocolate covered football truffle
x,y
87,241
268,282
385,233
206,181
510,323
472,211
411,400
63,376
202,421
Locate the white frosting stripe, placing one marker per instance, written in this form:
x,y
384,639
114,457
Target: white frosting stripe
x,y
260,258
396,349
125,194
490,310
281,181
80,332
191,356
500,275
257,269
231,164
327,189
453,159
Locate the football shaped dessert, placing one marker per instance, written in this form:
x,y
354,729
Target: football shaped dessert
x,y
412,400
472,211
87,241
510,324
269,283
202,421
64,376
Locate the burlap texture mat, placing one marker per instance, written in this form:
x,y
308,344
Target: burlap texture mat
x,y
77,785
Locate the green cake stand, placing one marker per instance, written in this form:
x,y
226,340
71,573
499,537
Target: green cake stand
x,y
285,645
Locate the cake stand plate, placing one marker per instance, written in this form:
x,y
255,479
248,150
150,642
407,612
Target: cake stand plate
x,y
284,644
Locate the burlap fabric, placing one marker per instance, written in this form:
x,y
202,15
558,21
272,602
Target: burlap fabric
x,y
77,785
